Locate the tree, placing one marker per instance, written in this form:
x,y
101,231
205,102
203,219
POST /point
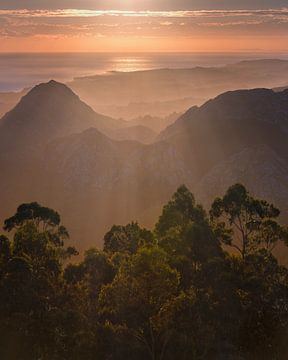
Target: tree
x,y
32,292
33,213
184,232
179,212
127,238
263,289
95,271
5,249
136,296
171,294
246,223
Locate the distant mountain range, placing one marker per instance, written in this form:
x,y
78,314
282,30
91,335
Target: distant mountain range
x,y
164,91
56,150
161,92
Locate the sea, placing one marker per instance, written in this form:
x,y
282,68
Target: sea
x,y
22,70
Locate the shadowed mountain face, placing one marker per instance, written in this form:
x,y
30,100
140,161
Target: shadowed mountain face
x,y
101,181
239,136
54,151
228,124
262,170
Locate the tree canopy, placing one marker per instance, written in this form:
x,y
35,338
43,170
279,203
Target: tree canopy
x,y
200,286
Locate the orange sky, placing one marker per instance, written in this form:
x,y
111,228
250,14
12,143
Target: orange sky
x,y
75,30
132,44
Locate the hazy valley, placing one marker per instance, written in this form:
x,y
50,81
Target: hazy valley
x,y
58,151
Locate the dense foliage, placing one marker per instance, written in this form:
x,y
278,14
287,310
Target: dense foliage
x,y
197,287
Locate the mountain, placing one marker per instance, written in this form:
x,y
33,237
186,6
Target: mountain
x,y
263,171
95,181
155,123
139,133
49,102
154,109
280,89
48,111
54,151
239,136
259,167
9,99
160,92
262,105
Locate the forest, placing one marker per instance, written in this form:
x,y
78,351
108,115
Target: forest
x,y
201,285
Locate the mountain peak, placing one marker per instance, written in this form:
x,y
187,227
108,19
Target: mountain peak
x,y
234,109
52,87
50,110
284,92
54,82
256,104
243,95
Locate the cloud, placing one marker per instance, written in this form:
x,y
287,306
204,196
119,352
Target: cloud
x,y
166,23
185,23
148,13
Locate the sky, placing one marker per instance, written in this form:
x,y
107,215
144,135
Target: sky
x,y
143,25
